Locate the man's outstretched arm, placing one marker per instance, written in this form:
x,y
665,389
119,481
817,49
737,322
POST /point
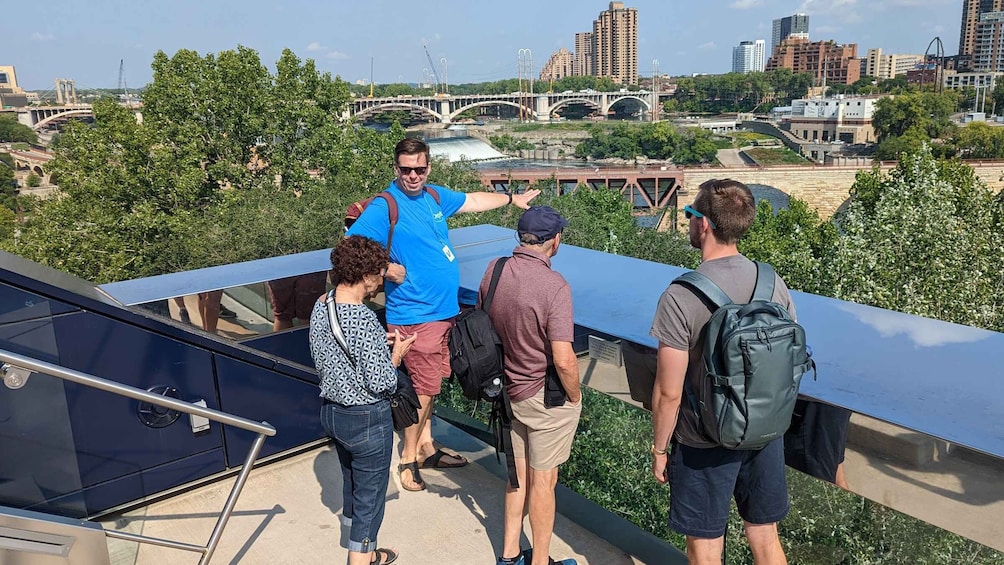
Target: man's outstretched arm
x,y
484,201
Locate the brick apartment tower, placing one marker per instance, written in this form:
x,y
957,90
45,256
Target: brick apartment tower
x,y
971,11
583,64
615,44
839,64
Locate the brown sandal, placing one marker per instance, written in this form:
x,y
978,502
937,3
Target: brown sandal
x,y
416,476
383,556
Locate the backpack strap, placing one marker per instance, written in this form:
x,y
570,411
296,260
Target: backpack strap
x,y
764,289
393,213
496,274
704,288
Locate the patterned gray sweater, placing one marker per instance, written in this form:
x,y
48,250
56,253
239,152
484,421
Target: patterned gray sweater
x,y
374,378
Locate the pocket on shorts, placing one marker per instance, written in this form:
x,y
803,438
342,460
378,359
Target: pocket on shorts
x,y
350,427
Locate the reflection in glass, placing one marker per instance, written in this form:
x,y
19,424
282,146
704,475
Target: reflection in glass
x,y
293,298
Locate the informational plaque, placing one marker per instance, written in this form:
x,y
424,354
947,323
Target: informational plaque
x,y
605,350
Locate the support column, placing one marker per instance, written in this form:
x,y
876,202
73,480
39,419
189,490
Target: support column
x,y
540,110
445,110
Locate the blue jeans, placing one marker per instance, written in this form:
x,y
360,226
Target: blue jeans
x,y
363,439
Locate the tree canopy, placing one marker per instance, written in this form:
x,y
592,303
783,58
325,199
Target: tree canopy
x,y
15,132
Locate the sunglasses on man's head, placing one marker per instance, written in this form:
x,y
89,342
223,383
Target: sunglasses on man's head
x,y
405,171
690,213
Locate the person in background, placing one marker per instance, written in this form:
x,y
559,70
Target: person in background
x,y
355,388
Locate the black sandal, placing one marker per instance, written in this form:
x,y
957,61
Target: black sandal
x,y
383,556
416,476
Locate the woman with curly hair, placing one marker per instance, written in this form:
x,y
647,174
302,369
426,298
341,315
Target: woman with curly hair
x,y
356,383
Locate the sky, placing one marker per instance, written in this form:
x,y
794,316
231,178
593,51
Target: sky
x,y
86,40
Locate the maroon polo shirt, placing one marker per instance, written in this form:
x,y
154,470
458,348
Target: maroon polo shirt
x,y
532,307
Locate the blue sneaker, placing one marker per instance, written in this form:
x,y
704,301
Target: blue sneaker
x,y
511,561
528,554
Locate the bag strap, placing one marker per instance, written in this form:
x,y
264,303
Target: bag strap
x,y
500,422
764,289
496,274
336,328
393,214
704,288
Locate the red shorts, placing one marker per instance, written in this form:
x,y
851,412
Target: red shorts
x,y
294,297
428,360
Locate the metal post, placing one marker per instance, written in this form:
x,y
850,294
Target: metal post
x,y
228,509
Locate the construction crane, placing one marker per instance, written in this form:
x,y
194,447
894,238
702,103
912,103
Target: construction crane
x,y
432,66
122,82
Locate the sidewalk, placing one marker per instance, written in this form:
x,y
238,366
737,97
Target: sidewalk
x,y
288,514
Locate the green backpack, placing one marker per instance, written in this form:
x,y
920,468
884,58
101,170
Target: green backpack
x,y
754,358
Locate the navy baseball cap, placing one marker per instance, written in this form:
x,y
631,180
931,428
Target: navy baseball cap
x,y
542,221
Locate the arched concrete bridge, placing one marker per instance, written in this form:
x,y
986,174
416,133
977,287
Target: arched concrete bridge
x,y
444,108
38,117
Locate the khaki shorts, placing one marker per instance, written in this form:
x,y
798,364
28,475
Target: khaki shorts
x,y
544,435
428,360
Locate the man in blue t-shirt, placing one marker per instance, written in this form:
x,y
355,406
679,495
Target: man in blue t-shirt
x,y
422,282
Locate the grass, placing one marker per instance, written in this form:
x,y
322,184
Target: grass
x,y
775,156
611,466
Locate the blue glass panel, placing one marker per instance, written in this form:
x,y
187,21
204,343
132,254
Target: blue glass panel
x,y
17,305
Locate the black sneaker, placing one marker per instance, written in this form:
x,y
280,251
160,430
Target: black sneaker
x,y
227,313
183,314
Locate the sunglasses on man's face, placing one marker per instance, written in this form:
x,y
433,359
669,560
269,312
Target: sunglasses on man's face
x,y
690,213
405,171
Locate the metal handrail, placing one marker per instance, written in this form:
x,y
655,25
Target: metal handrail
x,y
17,368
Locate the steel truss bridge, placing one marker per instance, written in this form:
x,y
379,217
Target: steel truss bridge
x,y
536,107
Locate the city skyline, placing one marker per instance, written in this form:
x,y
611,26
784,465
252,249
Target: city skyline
x,y
85,42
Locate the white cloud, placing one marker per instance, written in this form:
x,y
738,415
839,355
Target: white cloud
x,y
708,45
315,46
924,332
337,55
746,4
38,36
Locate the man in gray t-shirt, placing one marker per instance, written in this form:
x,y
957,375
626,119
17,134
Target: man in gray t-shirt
x,y
703,476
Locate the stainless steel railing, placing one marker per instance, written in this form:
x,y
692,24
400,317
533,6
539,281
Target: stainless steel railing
x,y
16,370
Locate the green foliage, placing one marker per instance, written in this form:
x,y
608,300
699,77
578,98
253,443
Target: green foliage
x,y
13,131
796,242
925,240
735,92
768,156
979,140
33,180
925,113
685,146
8,223
508,143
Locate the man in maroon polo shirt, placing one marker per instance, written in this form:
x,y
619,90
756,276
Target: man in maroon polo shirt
x,y
532,313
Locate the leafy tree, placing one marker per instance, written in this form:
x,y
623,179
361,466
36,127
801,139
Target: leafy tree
x,y
13,131
796,242
33,180
925,240
979,140
926,112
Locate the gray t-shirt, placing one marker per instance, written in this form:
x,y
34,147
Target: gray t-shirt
x,y
681,316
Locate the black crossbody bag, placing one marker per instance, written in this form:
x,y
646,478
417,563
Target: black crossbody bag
x,y
404,402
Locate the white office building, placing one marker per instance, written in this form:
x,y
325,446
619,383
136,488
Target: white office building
x,y
749,56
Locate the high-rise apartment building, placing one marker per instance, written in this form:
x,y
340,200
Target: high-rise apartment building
x,y
971,11
829,62
796,25
558,66
988,47
749,56
882,66
615,44
584,44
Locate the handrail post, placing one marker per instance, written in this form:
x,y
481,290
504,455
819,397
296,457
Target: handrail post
x,y
235,492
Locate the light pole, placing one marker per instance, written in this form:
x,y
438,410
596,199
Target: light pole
x,y
655,90
524,62
446,81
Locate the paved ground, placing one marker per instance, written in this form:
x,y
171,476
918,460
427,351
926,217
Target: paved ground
x,y
731,158
288,514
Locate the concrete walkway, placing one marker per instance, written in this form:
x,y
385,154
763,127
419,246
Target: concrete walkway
x,y
288,514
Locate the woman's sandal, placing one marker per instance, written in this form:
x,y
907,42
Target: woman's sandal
x,y
416,477
383,556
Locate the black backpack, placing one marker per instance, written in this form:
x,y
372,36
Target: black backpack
x,y
476,349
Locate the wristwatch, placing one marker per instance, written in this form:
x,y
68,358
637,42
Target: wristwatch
x,y
509,194
657,451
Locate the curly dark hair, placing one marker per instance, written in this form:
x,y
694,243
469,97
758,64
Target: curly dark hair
x,y
355,257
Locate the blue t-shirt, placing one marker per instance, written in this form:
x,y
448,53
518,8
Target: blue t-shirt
x,y
429,290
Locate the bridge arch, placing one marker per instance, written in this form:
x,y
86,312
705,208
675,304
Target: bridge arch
x,y
565,102
377,108
61,116
613,102
482,103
